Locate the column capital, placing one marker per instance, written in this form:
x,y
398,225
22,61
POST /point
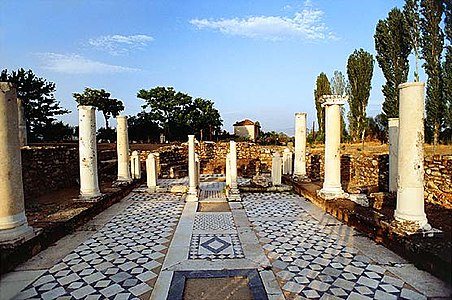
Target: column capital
x,y
121,117
300,114
333,100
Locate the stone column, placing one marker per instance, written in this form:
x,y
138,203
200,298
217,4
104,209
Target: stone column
x,y
393,130
287,162
13,222
410,177
300,145
89,184
122,146
234,194
228,170
276,169
135,165
332,182
22,123
198,170
151,173
192,194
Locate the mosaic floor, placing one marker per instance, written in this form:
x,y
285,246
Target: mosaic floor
x,y
121,261
311,262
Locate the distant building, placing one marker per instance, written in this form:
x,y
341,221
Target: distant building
x,y
247,129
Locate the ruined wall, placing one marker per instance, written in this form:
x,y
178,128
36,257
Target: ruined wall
x,y
47,169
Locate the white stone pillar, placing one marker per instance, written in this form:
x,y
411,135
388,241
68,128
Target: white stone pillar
x,y
228,170
276,169
151,173
393,131
198,170
13,222
89,184
122,146
300,145
287,162
410,177
332,187
135,165
233,194
192,194
22,123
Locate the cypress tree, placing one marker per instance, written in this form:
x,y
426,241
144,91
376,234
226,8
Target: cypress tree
x,y
322,88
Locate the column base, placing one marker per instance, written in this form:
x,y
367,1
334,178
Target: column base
x,y
330,193
234,195
92,197
16,234
421,219
192,195
152,189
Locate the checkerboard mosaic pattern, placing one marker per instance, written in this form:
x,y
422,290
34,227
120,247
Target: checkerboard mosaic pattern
x,y
312,262
214,221
121,261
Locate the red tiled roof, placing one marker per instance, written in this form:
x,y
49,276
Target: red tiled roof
x,y
244,122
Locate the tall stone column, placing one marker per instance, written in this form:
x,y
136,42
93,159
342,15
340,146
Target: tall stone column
x,y
233,194
13,222
89,185
410,177
276,169
22,123
192,194
393,131
135,165
287,162
198,171
151,173
332,187
228,170
122,146
300,145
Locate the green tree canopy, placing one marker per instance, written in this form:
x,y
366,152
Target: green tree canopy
x,y
100,99
177,114
431,47
340,86
142,127
411,12
393,47
359,70
38,98
322,88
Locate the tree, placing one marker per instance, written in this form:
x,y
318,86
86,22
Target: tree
x,y
340,86
58,131
143,128
447,72
393,47
100,99
322,88
411,12
177,114
431,47
377,128
38,98
359,70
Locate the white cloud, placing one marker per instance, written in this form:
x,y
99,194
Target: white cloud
x,y
120,44
76,64
306,25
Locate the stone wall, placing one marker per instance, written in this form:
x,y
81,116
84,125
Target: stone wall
x,y
47,169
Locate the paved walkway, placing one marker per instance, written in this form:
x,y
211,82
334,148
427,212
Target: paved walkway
x,y
146,246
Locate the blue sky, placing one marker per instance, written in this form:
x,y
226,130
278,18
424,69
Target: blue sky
x,y
255,59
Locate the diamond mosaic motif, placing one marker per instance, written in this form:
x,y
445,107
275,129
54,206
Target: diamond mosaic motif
x,y
120,259
215,246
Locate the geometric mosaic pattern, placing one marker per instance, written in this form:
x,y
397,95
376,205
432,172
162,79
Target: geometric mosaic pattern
x,y
121,261
310,261
215,246
214,221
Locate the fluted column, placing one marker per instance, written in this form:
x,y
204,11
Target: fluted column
x,y
13,222
22,123
122,145
276,169
89,184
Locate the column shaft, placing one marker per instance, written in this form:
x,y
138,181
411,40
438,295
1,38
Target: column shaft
x,y
300,145
89,185
393,131
192,191
122,145
410,178
13,223
151,173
